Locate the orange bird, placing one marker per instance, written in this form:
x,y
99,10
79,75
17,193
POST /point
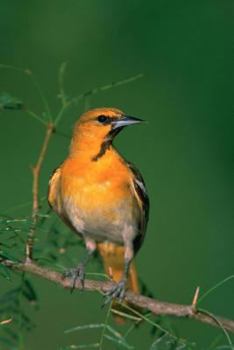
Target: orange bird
x,y
102,197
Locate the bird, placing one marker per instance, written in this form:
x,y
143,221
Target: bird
x,y
103,198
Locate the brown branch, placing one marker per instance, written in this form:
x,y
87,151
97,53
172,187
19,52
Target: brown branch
x,y
155,306
36,170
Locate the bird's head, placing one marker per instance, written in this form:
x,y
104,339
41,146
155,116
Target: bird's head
x,y
99,126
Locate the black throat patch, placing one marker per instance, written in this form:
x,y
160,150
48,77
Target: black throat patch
x,y
106,143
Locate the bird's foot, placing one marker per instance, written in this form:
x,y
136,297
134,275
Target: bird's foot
x,y
77,274
116,292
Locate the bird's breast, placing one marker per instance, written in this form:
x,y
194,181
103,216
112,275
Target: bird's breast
x,y
97,201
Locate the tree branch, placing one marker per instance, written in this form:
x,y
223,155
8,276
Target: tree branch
x,y
36,170
155,306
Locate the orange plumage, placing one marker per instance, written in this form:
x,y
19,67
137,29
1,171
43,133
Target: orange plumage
x,y
102,197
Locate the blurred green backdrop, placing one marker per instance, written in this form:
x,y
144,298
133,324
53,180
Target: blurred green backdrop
x,y
185,152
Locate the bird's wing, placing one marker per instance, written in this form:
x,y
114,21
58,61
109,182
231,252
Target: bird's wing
x,y
142,199
54,198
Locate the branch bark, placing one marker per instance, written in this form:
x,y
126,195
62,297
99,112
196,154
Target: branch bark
x,y
36,170
155,306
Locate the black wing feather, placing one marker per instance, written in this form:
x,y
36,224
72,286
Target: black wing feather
x,y
141,191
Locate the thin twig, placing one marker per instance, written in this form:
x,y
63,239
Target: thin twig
x,y
195,298
66,103
62,95
98,89
155,306
36,169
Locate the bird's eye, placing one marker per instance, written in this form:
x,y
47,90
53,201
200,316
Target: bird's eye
x,y
103,119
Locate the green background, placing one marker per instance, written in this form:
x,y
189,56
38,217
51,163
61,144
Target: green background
x,y
185,151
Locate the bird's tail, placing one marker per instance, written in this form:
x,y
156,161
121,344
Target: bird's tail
x,y
113,261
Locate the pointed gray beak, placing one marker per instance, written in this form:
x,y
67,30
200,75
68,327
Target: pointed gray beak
x,y
124,121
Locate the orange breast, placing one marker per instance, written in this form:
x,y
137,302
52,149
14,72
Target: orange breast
x,y
90,184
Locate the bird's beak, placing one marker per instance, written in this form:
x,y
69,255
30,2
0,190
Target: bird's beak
x,y
124,121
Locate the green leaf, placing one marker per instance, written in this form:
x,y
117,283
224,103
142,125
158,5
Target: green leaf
x,y
165,342
9,102
84,327
7,342
83,346
28,291
10,296
118,341
6,255
5,272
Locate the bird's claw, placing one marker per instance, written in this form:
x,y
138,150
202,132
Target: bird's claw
x,y
77,274
116,292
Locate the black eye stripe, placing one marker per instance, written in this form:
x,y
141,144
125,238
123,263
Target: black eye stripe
x,y
103,119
